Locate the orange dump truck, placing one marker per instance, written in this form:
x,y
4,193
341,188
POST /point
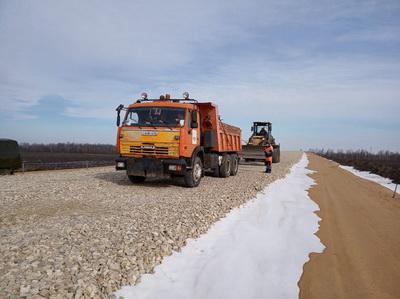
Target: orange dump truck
x,y
175,138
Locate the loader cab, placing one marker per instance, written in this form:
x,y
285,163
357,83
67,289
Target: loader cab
x,y
261,128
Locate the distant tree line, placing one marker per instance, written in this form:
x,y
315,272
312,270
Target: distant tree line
x,y
383,163
81,148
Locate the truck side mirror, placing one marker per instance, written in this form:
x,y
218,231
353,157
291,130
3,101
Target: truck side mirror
x,y
194,124
252,129
119,108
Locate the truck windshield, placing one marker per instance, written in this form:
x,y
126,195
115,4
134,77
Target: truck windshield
x,y
155,117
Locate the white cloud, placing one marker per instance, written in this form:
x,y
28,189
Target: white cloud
x,y
285,60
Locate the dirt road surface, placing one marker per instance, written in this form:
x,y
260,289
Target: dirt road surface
x,y
360,228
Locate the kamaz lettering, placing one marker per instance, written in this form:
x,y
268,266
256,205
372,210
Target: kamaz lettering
x,y
147,133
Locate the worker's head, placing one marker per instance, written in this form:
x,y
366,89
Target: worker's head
x,y
267,144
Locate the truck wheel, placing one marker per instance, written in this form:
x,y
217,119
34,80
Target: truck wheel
x,y
136,179
193,176
225,168
234,164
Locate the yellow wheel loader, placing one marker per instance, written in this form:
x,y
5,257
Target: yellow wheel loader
x,y
254,150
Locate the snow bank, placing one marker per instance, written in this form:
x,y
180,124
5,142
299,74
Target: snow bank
x,y
385,182
257,251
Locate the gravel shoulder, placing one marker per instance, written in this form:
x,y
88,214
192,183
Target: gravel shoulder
x,y
85,233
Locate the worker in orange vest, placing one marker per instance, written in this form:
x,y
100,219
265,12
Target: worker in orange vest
x,y
268,156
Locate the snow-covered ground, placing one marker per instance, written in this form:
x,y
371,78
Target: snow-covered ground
x,y
257,251
385,182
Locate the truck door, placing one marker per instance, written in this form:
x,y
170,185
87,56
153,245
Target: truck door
x,y
193,133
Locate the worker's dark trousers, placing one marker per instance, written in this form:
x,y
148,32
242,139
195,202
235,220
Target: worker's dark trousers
x,y
268,164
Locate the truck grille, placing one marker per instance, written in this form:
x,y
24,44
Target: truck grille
x,y
148,150
167,150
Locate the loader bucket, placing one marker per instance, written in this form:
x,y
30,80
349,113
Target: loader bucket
x,y
256,153
252,153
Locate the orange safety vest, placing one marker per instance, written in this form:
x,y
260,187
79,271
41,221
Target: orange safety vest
x,y
268,153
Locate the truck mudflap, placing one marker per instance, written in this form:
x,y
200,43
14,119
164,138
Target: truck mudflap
x,y
150,167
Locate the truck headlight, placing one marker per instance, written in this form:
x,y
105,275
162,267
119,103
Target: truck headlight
x,y
185,95
121,164
144,96
175,167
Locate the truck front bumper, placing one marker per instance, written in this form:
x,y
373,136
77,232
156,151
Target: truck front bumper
x,y
151,167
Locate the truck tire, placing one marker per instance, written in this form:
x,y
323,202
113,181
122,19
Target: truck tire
x,y
225,167
136,179
234,164
193,176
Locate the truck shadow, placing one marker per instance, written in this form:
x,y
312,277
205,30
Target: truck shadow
x,y
121,179
251,163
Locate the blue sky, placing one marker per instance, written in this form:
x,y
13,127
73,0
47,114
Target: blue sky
x,y
325,73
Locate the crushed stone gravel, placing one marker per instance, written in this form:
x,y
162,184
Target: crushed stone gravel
x,y
85,233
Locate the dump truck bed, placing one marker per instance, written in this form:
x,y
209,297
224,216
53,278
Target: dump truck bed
x,y
229,138
226,138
